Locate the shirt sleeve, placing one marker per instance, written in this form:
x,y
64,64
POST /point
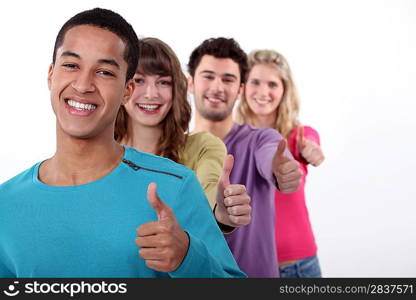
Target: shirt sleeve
x,y
208,254
311,134
209,167
266,147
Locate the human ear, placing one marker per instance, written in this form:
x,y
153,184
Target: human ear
x,y
190,84
128,92
50,73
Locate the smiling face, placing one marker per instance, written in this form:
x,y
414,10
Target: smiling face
x,y
264,90
215,86
151,100
88,82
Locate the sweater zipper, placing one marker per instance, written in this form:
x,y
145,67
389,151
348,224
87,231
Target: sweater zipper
x,y
136,167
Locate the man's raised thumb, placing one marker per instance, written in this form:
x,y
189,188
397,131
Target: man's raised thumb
x,y
281,148
161,209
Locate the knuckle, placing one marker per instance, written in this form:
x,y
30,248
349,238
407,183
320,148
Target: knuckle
x,y
248,210
243,188
230,210
141,253
163,242
234,219
138,242
166,227
170,241
164,253
149,264
170,226
248,198
138,230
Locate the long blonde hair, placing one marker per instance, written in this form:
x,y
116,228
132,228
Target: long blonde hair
x,y
288,109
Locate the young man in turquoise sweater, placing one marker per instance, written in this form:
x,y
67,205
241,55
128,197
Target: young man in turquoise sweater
x,y
95,208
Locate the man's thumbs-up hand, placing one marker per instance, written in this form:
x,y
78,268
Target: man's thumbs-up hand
x,y
309,149
233,203
286,170
163,242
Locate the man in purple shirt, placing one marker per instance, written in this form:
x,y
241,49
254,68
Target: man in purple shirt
x,y
217,71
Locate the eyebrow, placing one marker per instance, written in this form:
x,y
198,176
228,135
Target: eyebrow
x,y
225,74
108,61
69,53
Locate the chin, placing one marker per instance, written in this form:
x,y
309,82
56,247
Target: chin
x,y
151,123
78,132
81,135
263,112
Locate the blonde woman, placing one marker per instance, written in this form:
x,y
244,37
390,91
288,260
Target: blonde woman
x,y
270,100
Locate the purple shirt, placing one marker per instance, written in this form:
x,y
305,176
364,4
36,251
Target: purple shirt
x,y
253,245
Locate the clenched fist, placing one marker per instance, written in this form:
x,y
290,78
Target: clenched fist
x,y
233,203
286,170
309,150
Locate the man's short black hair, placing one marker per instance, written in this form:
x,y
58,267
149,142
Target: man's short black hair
x,y
219,48
111,21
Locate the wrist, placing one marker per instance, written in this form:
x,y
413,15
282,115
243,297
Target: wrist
x,y
222,221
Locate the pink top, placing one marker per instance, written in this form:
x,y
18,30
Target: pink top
x,y
294,236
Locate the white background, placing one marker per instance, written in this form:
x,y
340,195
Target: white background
x,y
355,67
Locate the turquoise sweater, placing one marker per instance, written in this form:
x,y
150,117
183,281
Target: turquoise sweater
x,y
89,230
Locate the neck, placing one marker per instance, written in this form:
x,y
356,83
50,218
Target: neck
x,y
264,121
79,161
143,138
219,129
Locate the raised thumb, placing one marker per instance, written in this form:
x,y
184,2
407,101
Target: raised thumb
x,y
161,209
300,139
281,148
226,170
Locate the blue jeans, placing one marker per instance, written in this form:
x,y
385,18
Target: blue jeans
x,y
307,267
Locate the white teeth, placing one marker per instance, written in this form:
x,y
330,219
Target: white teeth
x,y
149,106
262,101
81,106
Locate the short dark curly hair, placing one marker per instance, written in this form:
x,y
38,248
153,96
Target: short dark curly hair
x,y
219,48
111,21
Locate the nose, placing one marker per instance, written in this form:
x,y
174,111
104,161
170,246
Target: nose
x,y
83,83
263,90
151,91
218,86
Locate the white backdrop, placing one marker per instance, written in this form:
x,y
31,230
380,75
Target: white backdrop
x,y
355,67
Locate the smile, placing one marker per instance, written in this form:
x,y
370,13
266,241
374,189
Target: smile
x,y
262,102
149,107
81,106
214,100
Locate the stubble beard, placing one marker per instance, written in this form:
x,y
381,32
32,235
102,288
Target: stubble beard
x,y
212,115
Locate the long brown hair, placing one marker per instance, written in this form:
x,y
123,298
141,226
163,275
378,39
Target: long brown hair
x,y
156,57
288,109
